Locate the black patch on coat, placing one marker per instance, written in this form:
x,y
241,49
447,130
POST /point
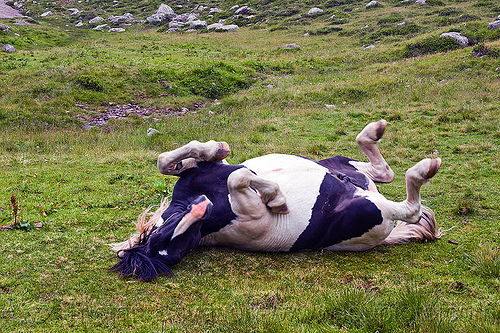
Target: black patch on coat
x,y
339,167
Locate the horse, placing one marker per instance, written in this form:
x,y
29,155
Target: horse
x,y
276,203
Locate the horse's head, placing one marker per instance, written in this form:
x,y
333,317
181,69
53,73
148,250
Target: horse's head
x,y
166,244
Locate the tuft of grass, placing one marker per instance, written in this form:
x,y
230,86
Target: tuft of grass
x,y
433,44
90,82
485,261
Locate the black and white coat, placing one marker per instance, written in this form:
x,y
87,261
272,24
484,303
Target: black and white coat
x,y
277,203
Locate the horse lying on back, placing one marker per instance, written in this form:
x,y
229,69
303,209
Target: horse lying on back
x,y
277,203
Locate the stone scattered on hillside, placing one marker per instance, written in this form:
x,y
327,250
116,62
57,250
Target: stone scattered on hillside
x,y
115,19
244,10
370,47
291,46
163,13
197,24
79,24
215,26
200,8
8,48
74,11
314,10
152,131
100,27
116,30
215,10
186,17
464,41
230,27
373,4
47,14
96,19
4,27
420,2
495,24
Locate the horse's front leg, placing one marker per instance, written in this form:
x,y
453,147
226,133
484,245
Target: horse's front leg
x,y
175,161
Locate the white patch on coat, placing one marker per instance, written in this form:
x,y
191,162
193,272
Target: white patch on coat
x,y
299,180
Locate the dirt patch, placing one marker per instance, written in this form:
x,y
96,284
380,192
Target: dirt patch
x,y
101,117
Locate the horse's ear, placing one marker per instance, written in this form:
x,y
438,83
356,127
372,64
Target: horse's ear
x,y
199,208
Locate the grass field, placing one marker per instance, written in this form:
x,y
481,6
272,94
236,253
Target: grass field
x,y
87,185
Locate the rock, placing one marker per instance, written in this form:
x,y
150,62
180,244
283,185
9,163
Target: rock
x,y
464,41
494,25
291,46
8,48
96,19
190,30
74,11
315,10
215,26
163,13
175,24
47,14
79,24
373,4
234,8
123,18
198,24
200,8
230,27
186,17
370,47
173,30
420,2
215,10
100,27
152,131
116,30
4,27
243,10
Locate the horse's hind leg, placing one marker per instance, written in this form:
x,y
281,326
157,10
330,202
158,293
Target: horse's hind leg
x,y
409,210
377,169
175,161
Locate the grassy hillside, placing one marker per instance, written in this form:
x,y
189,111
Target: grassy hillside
x,y
85,175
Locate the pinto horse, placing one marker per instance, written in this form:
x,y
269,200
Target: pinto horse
x,y
276,203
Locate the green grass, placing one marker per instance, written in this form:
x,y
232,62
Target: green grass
x,y
87,187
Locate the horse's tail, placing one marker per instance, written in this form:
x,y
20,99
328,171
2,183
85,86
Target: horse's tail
x,y
145,222
424,230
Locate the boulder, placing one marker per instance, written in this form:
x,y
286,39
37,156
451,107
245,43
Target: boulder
x,y
291,46
100,27
96,19
420,2
186,17
116,30
215,26
74,11
79,24
114,19
464,41
215,10
494,25
315,10
243,10
163,13
4,27
47,14
197,24
234,8
8,48
175,24
230,27
373,4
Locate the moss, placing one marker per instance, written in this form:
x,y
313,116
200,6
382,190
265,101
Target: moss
x,y
90,82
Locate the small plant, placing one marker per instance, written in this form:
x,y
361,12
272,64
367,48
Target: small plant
x,y
90,82
15,208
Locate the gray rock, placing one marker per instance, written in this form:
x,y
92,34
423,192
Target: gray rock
x,y
215,26
494,25
230,27
79,24
8,48
171,30
191,30
116,30
100,27
464,41
47,14
370,47
314,10
163,13
74,11
198,24
96,19
243,10
186,17
373,4
215,10
4,27
200,8
114,19
175,24
152,131
420,2
291,46
234,8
